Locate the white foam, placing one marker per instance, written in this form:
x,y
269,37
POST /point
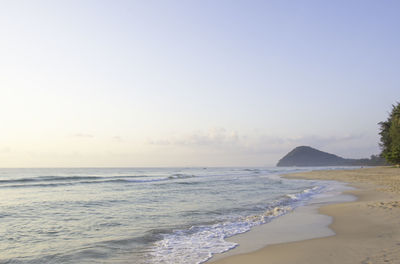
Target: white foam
x,y
303,223
200,243
306,193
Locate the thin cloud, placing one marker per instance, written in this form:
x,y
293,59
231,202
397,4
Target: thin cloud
x,y
214,137
82,135
260,144
117,138
5,150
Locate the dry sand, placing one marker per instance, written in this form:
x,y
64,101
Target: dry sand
x,y
367,230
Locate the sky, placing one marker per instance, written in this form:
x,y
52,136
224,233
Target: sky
x,y
193,83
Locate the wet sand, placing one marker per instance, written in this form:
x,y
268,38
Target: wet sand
x,y
366,231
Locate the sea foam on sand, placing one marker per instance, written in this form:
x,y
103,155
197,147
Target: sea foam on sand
x,y
302,223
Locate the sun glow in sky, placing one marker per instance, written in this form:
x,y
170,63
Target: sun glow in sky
x,y
193,83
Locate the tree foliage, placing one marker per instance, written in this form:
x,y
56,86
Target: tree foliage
x,y
390,136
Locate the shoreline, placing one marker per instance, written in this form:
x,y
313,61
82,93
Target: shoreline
x,y
302,223
365,231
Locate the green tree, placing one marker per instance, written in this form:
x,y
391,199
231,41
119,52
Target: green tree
x,y
390,136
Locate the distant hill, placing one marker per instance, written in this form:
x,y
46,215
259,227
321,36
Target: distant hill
x,y
305,156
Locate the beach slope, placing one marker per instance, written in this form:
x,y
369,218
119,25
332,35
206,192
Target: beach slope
x,y
367,230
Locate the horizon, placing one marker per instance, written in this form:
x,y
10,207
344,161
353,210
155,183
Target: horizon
x,y
143,84
197,167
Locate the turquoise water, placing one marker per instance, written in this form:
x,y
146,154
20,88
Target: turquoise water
x,y
138,215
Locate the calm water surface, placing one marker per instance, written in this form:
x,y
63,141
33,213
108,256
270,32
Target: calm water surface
x,y
125,215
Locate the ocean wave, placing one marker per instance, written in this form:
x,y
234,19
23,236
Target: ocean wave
x,y
66,178
150,237
200,243
254,171
54,181
305,193
180,176
62,183
146,180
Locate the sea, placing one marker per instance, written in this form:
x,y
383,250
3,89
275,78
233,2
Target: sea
x,y
140,215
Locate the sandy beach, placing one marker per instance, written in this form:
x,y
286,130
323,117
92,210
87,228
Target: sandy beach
x,y
366,231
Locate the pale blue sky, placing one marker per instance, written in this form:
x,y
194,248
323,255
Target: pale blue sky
x,y
193,83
